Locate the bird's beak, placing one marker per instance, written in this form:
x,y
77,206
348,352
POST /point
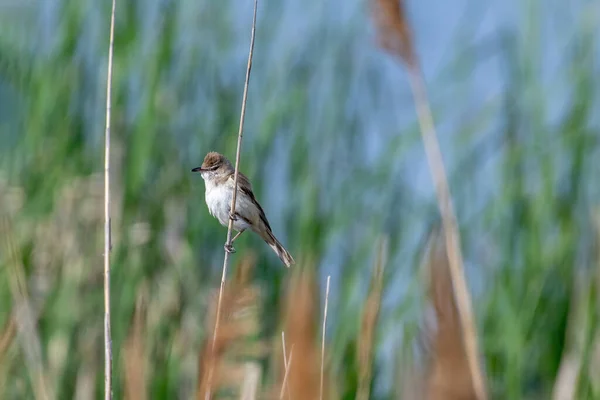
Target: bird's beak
x,y
198,169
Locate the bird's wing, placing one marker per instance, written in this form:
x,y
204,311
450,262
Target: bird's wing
x,y
245,187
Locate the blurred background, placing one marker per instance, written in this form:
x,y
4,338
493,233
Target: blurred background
x,y
333,149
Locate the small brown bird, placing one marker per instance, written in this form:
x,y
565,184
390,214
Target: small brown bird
x,y
218,175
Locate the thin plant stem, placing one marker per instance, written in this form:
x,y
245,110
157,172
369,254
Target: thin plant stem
x,y
234,197
323,338
283,347
285,365
449,224
107,244
287,362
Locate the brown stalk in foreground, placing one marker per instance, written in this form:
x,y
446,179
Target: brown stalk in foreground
x,y
323,339
300,315
7,336
449,377
369,324
394,36
233,199
287,361
237,322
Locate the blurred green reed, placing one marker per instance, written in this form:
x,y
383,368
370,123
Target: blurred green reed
x,y
524,180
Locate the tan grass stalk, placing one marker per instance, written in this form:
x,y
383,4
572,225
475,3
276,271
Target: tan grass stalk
x,y
300,315
236,325
235,185
286,365
25,316
395,37
449,377
567,378
107,244
572,364
323,338
283,348
369,324
7,336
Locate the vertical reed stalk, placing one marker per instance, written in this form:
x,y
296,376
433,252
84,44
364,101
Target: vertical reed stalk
x,y
107,244
395,36
323,338
234,197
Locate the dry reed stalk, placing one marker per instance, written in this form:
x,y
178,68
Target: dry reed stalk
x,y
236,323
593,372
24,316
594,367
286,365
572,360
395,37
369,324
235,185
449,376
567,378
107,244
284,385
300,320
7,336
323,338
135,351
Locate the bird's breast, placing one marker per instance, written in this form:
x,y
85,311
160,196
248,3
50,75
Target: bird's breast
x,y
218,200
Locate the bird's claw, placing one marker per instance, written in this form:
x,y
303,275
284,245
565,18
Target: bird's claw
x,y
229,248
233,217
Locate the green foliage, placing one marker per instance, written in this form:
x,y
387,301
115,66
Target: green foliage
x,y
315,114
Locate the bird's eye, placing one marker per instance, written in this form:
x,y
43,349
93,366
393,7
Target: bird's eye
x,y
214,167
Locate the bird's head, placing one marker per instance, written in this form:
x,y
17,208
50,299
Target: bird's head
x,y
214,166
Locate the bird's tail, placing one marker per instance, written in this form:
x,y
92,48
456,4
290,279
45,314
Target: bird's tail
x,y
278,248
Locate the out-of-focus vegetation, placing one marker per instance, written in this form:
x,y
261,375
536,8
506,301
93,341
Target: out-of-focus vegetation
x,y
332,149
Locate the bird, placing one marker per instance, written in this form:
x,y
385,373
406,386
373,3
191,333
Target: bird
x,y
218,175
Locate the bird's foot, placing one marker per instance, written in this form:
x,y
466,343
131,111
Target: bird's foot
x,y
229,248
233,217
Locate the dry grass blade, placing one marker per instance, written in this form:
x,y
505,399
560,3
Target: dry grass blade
x,y
394,36
24,315
107,244
286,365
7,336
449,375
594,365
237,322
283,348
323,338
369,323
135,351
235,185
567,378
284,384
300,319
